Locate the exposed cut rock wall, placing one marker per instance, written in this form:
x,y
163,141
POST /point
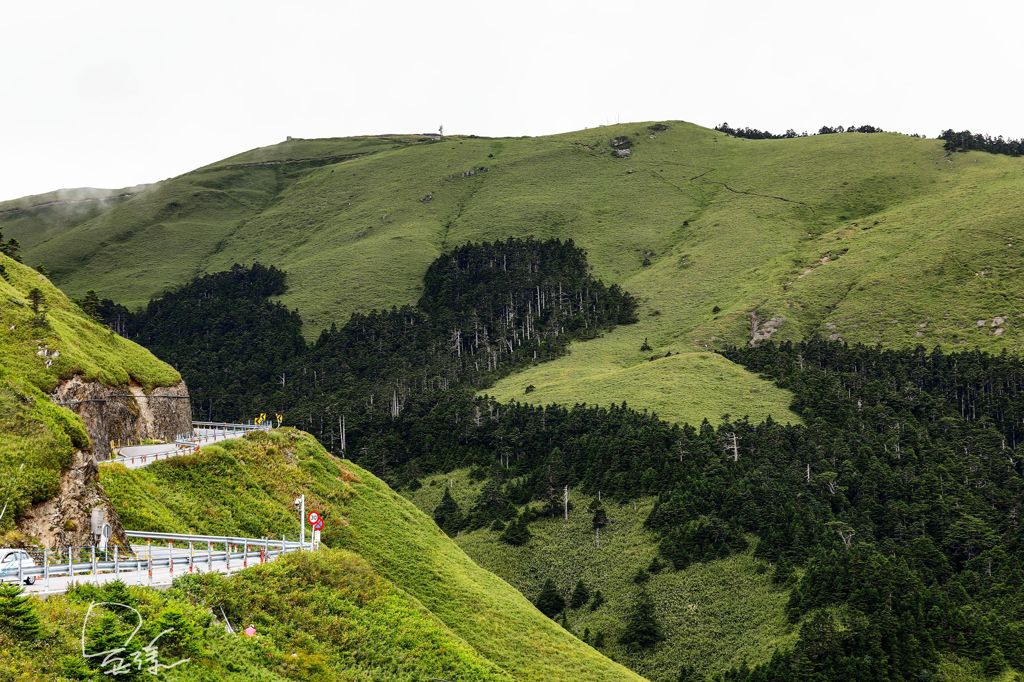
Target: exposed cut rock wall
x,y
111,414
125,414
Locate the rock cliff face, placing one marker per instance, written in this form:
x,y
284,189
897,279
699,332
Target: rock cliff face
x,y
65,519
111,414
125,414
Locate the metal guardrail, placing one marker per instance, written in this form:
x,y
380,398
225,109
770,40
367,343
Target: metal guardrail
x,y
185,537
195,552
186,445
244,426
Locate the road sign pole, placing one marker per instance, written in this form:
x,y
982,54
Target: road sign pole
x,y
46,568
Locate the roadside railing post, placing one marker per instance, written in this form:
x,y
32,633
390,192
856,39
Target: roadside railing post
x,y
143,567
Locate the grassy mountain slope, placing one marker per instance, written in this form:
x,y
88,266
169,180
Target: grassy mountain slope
x,y
713,615
872,237
37,438
37,218
247,486
303,152
85,346
325,615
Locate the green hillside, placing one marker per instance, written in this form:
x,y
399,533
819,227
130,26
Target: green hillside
x,y
868,237
84,346
36,351
247,486
880,535
326,615
396,601
713,615
37,218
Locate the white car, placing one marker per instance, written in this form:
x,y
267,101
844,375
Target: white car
x,y
11,560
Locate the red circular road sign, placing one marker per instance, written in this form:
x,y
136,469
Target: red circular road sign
x,y
313,518
318,525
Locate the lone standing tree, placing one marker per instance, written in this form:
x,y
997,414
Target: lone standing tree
x,y
642,629
580,595
549,601
447,515
90,304
599,521
36,300
516,532
17,615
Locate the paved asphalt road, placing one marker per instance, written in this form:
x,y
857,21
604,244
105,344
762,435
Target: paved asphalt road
x,y
155,453
160,575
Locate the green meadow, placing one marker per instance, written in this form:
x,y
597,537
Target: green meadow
x,y
713,615
324,615
866,237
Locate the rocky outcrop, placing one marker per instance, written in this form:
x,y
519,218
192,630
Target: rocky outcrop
x,y
66,518
762,330
622,147
125,414
112,415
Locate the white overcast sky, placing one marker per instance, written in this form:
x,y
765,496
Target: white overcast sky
x,y
110,94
